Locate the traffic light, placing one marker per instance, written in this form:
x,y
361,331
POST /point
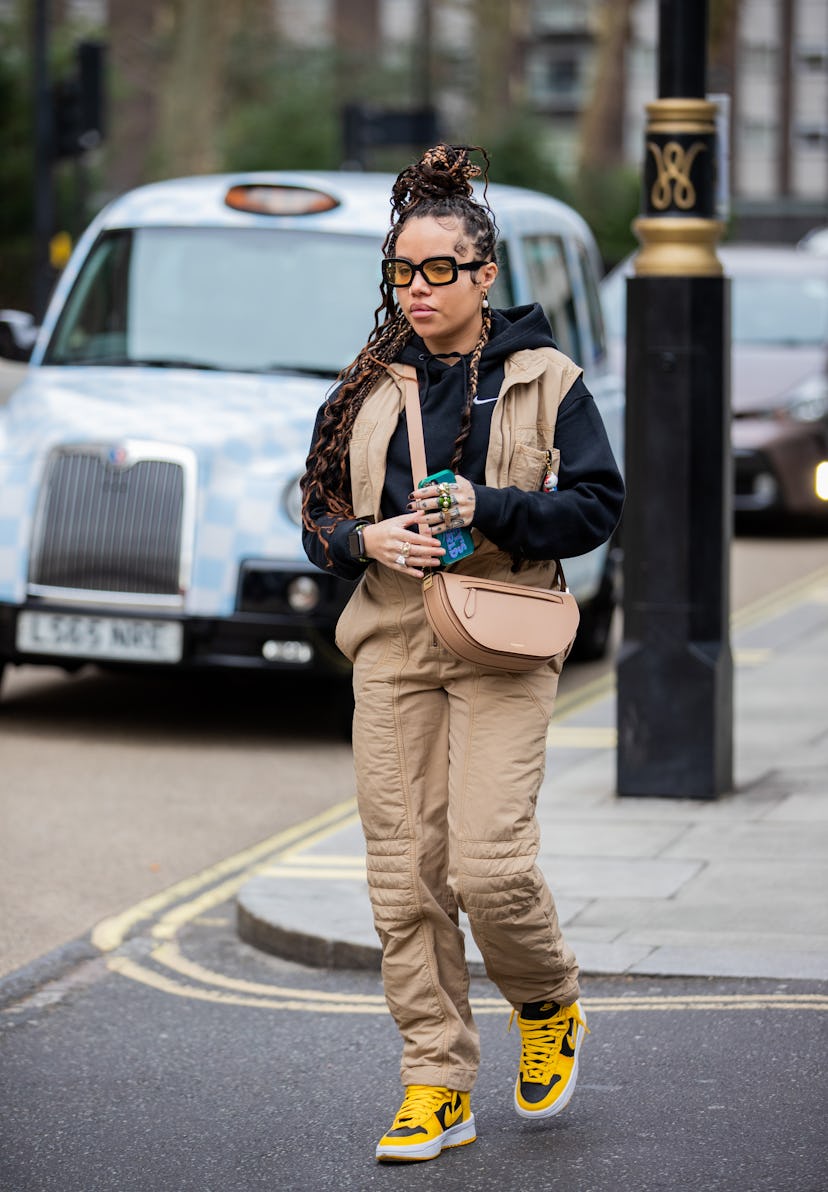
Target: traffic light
x,y
67,119
78,104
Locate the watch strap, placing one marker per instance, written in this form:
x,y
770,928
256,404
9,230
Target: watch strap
x,y
356,543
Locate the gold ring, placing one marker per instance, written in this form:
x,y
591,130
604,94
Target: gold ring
x,y
405,549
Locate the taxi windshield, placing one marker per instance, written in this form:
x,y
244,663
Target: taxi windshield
x,y
235,299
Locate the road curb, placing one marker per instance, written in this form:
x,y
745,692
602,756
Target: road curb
x,y
53,966
301,947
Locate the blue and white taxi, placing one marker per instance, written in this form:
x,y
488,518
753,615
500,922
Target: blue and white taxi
x,y
149,461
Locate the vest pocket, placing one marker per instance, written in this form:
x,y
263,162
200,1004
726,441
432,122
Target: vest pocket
x,y
529,466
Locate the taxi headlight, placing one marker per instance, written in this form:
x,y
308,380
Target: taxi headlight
x,y
303,594
292,501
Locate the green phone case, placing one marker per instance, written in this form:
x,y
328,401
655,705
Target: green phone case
x,y
458,544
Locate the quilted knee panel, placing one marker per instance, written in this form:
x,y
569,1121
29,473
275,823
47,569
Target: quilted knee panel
x,y
497,878
392,884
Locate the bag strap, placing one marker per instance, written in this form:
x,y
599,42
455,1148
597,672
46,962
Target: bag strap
x,y
414,421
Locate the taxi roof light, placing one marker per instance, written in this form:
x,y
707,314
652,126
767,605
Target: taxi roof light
x,y
266,199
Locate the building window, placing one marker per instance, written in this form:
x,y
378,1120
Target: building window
x,y
758,135
759,58
557,77
812,136
564,16
813,58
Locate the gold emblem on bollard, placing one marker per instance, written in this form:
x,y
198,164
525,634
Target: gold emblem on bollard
x,y
672,183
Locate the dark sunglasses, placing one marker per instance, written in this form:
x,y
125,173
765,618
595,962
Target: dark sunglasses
x,y
437,271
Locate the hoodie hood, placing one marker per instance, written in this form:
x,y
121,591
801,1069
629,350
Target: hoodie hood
x,y
513,329
517,328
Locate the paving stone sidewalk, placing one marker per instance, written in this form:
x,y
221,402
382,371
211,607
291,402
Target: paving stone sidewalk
x,y
734,888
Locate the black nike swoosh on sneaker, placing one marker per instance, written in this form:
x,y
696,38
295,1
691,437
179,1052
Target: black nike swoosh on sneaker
x,y
569,1040
448,1114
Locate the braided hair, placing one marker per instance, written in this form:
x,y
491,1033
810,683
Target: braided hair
x,y
438,185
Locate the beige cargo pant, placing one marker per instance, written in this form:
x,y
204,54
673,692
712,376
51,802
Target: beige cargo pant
x,y
449,759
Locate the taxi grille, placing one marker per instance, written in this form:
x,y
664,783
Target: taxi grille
x,y
105,527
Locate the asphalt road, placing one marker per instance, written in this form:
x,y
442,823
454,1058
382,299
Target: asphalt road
x,y
216,1068
114,787
178,1059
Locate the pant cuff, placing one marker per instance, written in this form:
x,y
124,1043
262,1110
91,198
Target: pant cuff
x,y
460,1080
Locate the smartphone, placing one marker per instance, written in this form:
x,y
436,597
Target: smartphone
x,y
458,544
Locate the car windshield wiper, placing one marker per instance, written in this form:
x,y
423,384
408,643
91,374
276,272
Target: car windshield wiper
x,y
138,362
303,370
174,362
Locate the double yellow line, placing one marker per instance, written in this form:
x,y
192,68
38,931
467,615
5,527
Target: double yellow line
x,y
166,914
187,899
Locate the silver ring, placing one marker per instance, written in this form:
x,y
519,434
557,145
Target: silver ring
x,y
400,560
456,521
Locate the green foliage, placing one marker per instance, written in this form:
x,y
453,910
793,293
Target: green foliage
x,y
17,246
607,199
521,157
16,167
284,119
283,104
609,202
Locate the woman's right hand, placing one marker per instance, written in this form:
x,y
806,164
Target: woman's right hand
x,y
403,544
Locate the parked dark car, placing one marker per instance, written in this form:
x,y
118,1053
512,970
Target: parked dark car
x,y
779,389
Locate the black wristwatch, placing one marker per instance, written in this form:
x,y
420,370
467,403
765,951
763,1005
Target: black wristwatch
x,y
356,543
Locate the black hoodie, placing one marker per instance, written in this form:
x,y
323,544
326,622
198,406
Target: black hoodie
x,y
580,515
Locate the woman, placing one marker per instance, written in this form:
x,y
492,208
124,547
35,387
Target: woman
x,y
449,757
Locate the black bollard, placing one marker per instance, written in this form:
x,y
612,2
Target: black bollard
x,y
675,674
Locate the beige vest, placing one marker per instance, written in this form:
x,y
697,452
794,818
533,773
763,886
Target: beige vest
x,y
522,432
523,427
535,382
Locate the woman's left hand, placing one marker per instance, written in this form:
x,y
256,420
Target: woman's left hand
x,y
445,506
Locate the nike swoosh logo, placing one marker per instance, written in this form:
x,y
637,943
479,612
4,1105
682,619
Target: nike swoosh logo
x,y
482,401
450,1115
568,1042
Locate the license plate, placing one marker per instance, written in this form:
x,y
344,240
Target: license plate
x,y
80,635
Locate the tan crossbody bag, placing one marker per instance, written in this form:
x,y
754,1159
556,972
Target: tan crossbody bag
x,y
501,626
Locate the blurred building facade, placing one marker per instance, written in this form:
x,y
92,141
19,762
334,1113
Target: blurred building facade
x,y
773,64
770,57
585,67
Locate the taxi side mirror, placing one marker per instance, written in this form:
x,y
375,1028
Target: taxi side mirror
x,y
18,332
